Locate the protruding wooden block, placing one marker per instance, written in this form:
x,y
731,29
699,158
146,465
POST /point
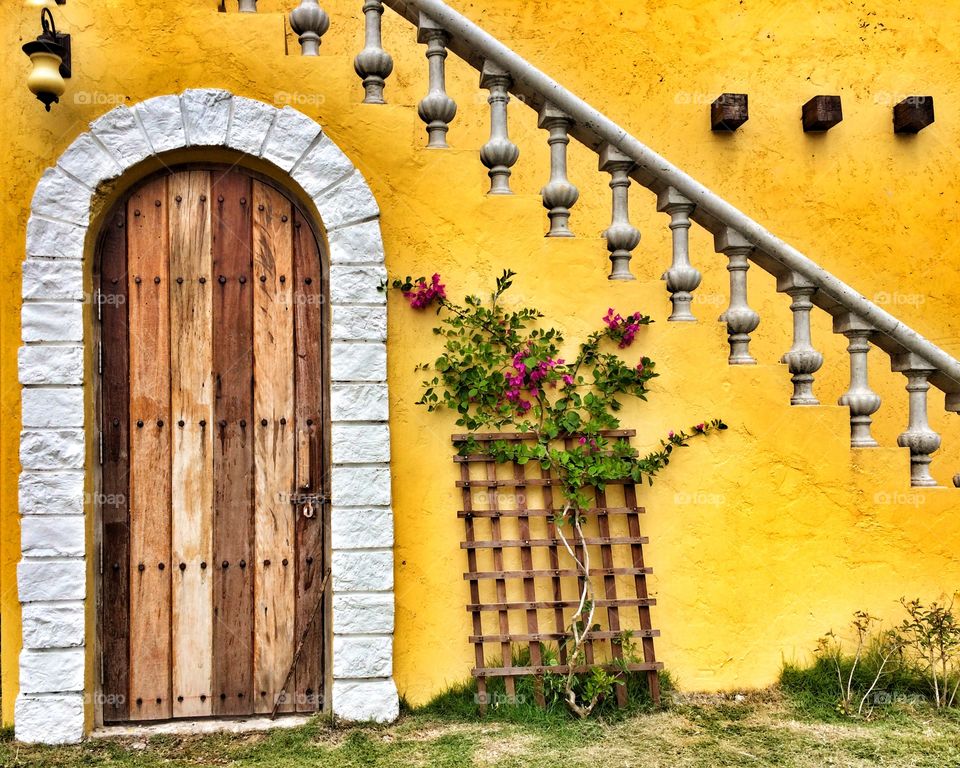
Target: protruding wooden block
x,y
913,114
821,113
728,112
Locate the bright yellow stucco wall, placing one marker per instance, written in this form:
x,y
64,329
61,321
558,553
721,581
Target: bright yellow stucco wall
x,y
762,538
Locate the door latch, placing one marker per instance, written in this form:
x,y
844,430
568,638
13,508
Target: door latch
x,y
311,503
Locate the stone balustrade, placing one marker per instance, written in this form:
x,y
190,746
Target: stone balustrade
x,y
310,22
373,64
740,239
559,195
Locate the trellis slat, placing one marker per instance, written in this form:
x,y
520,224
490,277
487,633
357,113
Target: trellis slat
x,y
529,586
562,668
556,583
548,512
640,584
506,649
562,573
610,591
486,437
520,605
527,543
547,636
577,545
474,607
531,481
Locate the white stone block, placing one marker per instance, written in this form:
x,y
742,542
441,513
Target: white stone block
x,y
59,196
162,121
52,536
361,571
87,161
41,580
359,402
321,167
360,614
54,625
357,243
51,321
206,113
53,279
358,362
352,323
52,449
366,700
347,202
292,134
358,657
120,133
360,486
53,671
361,443
50,365
51,493
49,719
53,407
362,528
250,124
55,240
357,285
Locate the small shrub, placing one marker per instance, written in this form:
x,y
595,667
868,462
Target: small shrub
x,y
882,649
932,635
874,669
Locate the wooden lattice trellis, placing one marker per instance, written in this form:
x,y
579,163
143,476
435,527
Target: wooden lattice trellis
x,y
519,571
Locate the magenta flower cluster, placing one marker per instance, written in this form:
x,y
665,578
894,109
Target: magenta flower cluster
x,y
529,377
424,293
622,329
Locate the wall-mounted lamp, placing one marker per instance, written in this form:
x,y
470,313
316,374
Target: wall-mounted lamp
x,y
50,56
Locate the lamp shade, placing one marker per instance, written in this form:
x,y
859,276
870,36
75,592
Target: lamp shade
x,y
45,79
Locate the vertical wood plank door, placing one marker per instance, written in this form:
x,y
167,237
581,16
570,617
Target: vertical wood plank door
x,y
212,413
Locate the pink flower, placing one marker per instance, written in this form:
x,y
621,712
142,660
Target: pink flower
x,y
700,427
623,330
671,435
568,379
583,441
423,293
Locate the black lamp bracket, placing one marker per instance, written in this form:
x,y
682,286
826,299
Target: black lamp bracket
x,y
52,41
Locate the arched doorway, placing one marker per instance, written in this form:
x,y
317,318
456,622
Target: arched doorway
x,y
60,693
212,411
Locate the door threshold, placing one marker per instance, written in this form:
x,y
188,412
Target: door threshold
x,y
201,726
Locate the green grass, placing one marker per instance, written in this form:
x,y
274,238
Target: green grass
x,y
763,729
459,702
815,690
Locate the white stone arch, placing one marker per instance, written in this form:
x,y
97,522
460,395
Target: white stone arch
x,y
55,444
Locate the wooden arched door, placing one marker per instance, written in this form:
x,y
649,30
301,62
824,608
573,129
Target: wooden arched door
x,y
212,417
